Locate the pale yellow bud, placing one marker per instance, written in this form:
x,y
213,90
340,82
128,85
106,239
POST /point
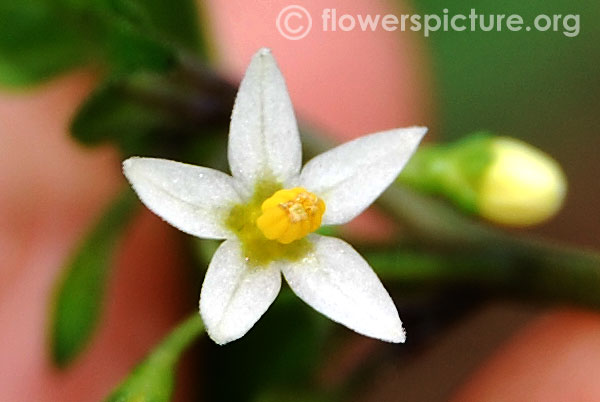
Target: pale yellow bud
x,y
522,186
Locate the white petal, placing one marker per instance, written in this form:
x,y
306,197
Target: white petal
x,y
351,176
235,295
194,199
263,136
336,281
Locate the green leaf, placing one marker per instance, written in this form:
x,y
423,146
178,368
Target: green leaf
x,y
172,21
130,40
38,40
112,113
176,21
148,114
79,293
152,380
145,35
42,38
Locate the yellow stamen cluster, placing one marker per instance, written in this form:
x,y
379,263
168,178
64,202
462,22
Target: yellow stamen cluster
x,y
290,215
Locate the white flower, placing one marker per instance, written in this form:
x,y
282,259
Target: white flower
x,y
268,197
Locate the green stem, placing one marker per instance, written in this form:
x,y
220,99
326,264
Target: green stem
x,y
170,349
153,379
550,275
489,257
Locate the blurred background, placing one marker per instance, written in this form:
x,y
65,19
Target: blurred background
x,y
541,87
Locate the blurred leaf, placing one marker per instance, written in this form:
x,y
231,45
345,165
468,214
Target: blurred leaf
x,y
111,114
42,38
153,115
38,39
176,21
79,294
132,40
131,49
152,380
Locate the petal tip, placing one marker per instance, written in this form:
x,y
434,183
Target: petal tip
x,y
422,130
221,336
263,54
400,336
218,338
128,165
394,333
215,334
128,162
417,131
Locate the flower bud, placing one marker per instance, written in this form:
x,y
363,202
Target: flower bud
x,y
522,186
501,179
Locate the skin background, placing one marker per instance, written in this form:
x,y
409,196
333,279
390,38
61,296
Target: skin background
x,y
53,188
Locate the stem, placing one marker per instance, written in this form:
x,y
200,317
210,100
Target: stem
x,y
171,348
489,257
533,272
153,378
506,261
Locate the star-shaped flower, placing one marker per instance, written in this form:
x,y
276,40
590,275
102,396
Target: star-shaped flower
x,y
267,210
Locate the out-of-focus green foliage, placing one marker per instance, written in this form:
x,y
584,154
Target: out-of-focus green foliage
x,y
153,379
42,38
38,39
80,291
154,115
111,113
174,21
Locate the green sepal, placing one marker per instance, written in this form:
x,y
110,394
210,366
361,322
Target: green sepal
x,y
453,170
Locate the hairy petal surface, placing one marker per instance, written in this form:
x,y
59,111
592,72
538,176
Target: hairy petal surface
x,y
351,176
263,137
336,281
194,199
234,294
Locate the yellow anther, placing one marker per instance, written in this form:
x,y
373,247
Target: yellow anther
x,y
290,215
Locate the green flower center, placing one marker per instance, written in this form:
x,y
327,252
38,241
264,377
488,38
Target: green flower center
x,y
257,249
